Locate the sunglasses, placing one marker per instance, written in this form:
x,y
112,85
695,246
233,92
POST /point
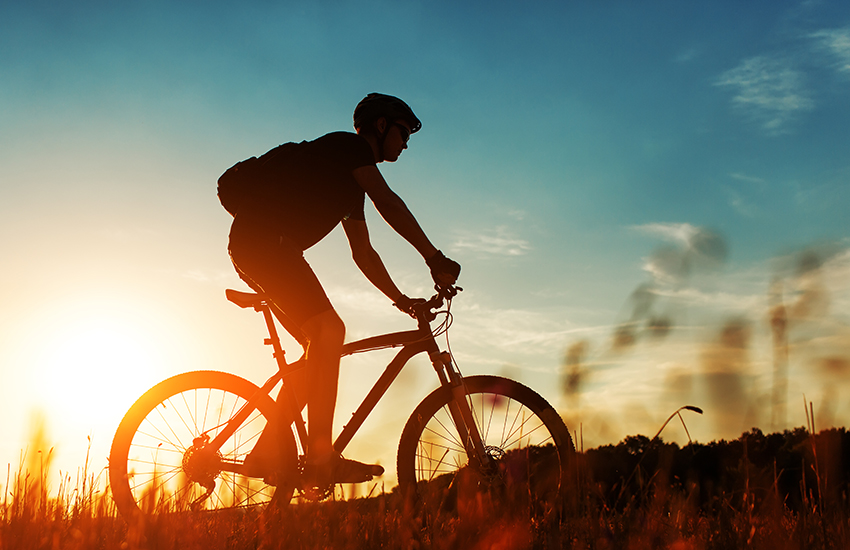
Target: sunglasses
x,y
405,133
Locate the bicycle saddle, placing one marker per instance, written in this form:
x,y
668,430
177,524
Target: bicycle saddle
x,y
245,299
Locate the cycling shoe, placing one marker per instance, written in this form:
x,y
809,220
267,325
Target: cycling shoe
x,y
340,470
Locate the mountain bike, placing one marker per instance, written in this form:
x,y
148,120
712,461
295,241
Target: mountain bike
x,y
182,445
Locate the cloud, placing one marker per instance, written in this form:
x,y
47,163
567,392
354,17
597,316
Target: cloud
x,y
680,233
499,242
837,43
693,247
522,336
686,56
721,300
770,90
740,205
517,214
745,177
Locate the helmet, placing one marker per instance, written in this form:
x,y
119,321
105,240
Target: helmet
x,y
375,106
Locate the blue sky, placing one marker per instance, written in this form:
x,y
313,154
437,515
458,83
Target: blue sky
x,y
571,153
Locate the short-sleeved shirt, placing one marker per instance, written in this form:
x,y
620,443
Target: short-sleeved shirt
x,y
309,187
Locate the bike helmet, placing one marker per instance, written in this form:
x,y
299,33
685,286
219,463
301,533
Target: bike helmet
x,y
375,106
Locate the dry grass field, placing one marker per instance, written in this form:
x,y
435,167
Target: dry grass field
x,y
775,492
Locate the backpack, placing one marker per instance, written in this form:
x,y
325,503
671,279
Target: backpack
x,y
237,183
245,178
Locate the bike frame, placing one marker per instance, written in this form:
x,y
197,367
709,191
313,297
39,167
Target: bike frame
x,y
412,342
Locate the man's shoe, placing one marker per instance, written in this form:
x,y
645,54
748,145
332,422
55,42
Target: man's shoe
x,y
340,470
351,471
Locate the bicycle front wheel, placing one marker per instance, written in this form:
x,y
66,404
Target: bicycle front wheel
x,y
528,446
159,461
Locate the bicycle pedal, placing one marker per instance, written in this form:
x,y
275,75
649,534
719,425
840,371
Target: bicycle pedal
x,y
361,475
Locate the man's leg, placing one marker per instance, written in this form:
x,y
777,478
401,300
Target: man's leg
x,y
273,265
326,334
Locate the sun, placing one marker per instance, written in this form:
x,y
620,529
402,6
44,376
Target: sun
x,y
91,364
78,363
96,362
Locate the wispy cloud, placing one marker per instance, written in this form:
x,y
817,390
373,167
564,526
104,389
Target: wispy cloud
x,y
680,233
518,333
720,300
746,178
498,242
692,247
686,56
739,204
770,90
737,199
837,43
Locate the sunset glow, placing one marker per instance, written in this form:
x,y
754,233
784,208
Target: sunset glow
x,y
649,204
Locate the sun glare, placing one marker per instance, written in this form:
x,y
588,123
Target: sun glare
x,y
92,366
91,362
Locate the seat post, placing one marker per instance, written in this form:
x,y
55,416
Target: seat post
x,y
273,340
293,409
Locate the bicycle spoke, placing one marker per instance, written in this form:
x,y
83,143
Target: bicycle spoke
x,y
485,436
447,448
434,470
181,417
452,440
206,408
164,438
194,429
157,478
505,424
168,425
245,487
244,427
525,434
450,432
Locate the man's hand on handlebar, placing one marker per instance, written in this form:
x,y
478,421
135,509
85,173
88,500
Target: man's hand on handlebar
x,y
406,304
444,271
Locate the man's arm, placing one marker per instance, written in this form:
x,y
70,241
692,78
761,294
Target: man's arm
x,y
368,260
393,209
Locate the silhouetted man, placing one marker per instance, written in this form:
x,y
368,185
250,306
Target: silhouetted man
x,y
308,189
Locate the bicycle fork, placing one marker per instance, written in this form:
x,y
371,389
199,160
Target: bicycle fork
x,y
461,413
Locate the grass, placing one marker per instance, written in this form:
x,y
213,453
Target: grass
x,y
641,493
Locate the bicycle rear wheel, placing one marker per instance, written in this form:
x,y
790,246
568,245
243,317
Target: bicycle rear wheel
x,y
529,446
159,464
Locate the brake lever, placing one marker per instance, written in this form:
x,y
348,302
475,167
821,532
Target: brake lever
x,y
426,309
447,292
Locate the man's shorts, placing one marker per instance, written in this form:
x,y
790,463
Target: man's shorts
x,y
273,265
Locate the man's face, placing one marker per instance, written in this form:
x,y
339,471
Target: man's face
x,y
398,132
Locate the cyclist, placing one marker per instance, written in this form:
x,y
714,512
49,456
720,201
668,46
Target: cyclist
x,y
308,191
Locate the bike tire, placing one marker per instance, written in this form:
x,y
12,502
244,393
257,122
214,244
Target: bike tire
x,y
528,439
147,472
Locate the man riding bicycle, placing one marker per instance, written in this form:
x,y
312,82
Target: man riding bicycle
x,y
308,189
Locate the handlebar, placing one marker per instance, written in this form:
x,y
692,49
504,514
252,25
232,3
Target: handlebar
x,y
425,311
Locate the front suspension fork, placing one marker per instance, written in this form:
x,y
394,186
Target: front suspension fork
x,y
460,410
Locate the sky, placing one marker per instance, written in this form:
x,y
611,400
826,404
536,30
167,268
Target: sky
x,y
648,201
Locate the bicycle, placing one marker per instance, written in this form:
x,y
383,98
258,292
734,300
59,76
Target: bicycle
x,y
182,445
